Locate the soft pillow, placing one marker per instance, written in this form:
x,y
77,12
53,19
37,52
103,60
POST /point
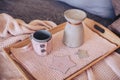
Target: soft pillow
x,y
101,8
116,6
115,27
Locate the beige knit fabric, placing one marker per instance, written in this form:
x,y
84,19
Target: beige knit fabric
x,y
7,70
13,31
107,69
103,70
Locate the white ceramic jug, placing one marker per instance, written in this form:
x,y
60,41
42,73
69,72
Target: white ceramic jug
x,y
74,33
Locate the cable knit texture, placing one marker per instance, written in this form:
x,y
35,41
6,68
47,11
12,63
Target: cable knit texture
x,y
12,31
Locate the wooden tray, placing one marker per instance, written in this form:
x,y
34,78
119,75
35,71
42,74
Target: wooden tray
x,y
94,26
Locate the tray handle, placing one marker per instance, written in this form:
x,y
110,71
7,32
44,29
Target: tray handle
x,y
102,31
99,28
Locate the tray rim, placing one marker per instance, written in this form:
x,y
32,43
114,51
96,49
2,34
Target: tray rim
x,y
108,35
53,31
19,68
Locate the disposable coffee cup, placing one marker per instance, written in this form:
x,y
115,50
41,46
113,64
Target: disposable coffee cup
x,y
41,42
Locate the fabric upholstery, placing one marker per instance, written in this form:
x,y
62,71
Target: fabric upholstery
x,y
115,27
116,6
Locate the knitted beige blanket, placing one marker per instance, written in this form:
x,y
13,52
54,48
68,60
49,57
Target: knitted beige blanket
x,y
12,31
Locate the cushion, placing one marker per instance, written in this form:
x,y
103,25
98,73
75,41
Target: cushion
x,y
115,27
102,8
116,6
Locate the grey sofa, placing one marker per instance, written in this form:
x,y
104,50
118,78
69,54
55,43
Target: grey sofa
x,y
41,9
